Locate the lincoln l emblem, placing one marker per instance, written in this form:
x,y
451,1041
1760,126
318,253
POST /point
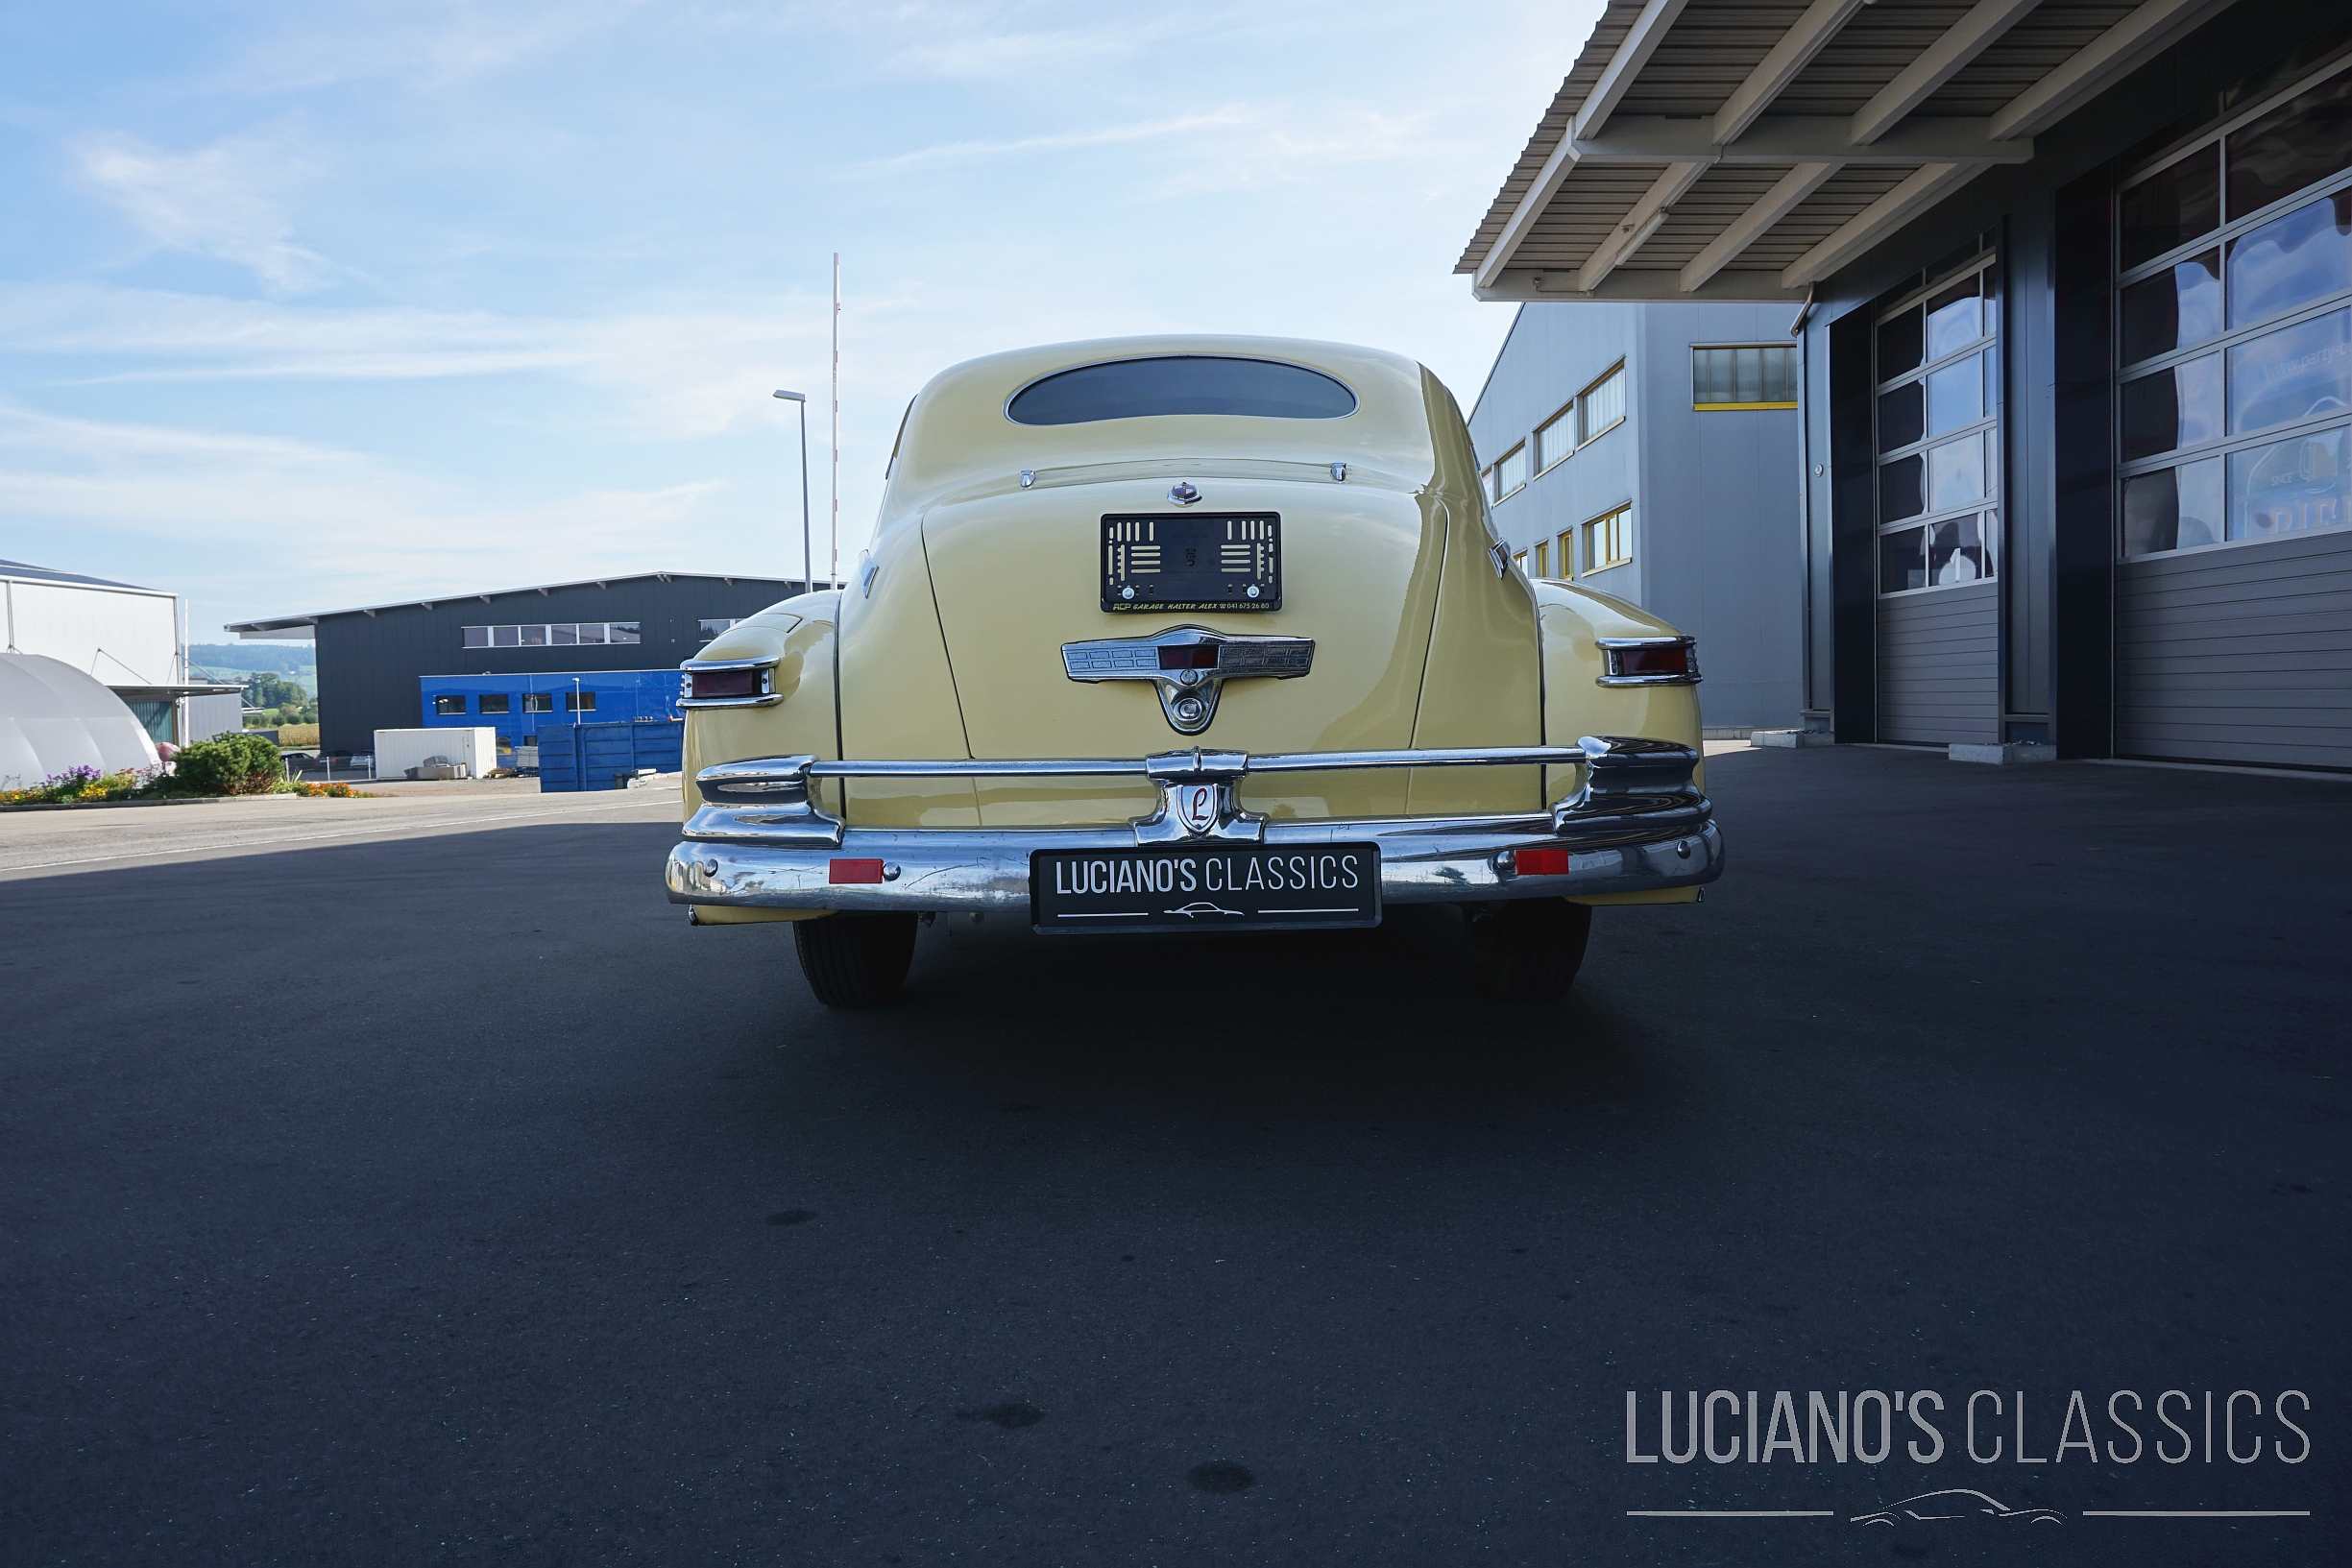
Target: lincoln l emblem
x,y
1197,807
1190,666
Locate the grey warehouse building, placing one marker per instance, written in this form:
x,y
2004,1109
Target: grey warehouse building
x,y
1649,452
370,659
2076,360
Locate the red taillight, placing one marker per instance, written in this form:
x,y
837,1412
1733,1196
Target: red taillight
x,y
854,871
1541,863
1196,656
724,683
1663,659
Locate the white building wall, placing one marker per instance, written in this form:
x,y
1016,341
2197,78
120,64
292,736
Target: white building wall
x,y
1716,540
124,636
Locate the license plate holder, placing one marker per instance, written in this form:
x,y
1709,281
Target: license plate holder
x,y
1204,887
1154,562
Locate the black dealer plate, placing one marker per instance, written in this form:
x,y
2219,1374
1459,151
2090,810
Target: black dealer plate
x,y
1206,888
1215,561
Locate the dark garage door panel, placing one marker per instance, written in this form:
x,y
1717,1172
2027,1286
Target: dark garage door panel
x,y
2239,655
1939,665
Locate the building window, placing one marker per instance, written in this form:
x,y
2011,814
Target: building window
x,y
1567,555
539,702
581,701
1609,541
1743,376
706,629
1555,437
1543,558
495,702
1511,471
1601,407
2234,342
1486,482
593,634
1938,435
447,707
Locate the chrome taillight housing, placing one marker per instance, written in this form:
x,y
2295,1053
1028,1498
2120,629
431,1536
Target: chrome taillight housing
x,y
729,682
1650,661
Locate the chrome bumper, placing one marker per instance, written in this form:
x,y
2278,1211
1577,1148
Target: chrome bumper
x,y
761,839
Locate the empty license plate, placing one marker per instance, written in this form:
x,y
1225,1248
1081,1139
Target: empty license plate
x,y
1219,561
1204,889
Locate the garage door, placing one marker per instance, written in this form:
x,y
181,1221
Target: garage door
x,y
2234,393
1937,435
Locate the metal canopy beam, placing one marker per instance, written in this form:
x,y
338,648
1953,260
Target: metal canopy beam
x,y
1633,52
1745,229
1875,222
1639,223
2090,69
1943,59
1800,138
1780,67
1635,285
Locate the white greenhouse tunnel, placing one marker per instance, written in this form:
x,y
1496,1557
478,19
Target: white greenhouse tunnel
x,y
54,717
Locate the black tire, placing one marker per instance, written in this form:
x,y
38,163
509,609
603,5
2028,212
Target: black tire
x,y
1528,950
854,960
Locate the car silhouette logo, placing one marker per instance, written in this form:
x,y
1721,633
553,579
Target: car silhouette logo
x,y
1202,908
1956,1503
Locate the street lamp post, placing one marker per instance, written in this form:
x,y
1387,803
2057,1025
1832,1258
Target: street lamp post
x,y
808,578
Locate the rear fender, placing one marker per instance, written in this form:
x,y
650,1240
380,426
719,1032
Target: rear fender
x,y
1572,621
798,634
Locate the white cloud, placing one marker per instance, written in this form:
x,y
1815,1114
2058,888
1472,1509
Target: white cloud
x,y
346,525
962,150
669,377
214,201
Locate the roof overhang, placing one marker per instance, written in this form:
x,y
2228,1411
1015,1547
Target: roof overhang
x,y
304,628
1738,150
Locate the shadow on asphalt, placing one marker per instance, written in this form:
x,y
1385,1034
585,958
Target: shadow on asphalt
x,y
1387,1018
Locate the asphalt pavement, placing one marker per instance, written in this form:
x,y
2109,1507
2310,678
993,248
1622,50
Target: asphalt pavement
x,y
410,1193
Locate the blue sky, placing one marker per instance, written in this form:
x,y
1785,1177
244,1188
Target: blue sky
x,y
312,305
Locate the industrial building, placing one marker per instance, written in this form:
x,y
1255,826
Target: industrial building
x,y
2073,281
1649,452
127,637
372,660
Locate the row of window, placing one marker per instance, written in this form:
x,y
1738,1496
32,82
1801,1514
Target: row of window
x,y
1590,414
452,704
563,635
1938,434
2235,360
1609,542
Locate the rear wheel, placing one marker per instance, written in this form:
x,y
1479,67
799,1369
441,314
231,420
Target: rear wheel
x,y
854,960
1528,950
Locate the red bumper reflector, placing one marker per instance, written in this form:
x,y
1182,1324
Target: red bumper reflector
x,y
1532,862
854,871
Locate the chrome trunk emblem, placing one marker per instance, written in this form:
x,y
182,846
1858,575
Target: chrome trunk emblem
x,y
1184,492
1189,665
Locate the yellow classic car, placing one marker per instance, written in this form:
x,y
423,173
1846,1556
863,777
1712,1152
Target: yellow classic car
x,y
1174,635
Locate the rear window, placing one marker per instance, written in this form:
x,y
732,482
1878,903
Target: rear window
x,y
1136,389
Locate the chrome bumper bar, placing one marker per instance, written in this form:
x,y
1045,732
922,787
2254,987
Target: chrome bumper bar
x,y
761,840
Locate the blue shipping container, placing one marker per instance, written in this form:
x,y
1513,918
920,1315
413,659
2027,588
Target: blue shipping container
x,y
600,756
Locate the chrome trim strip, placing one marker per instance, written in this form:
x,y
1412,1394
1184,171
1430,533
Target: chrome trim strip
x,y
1609,646
767,696
1188,697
